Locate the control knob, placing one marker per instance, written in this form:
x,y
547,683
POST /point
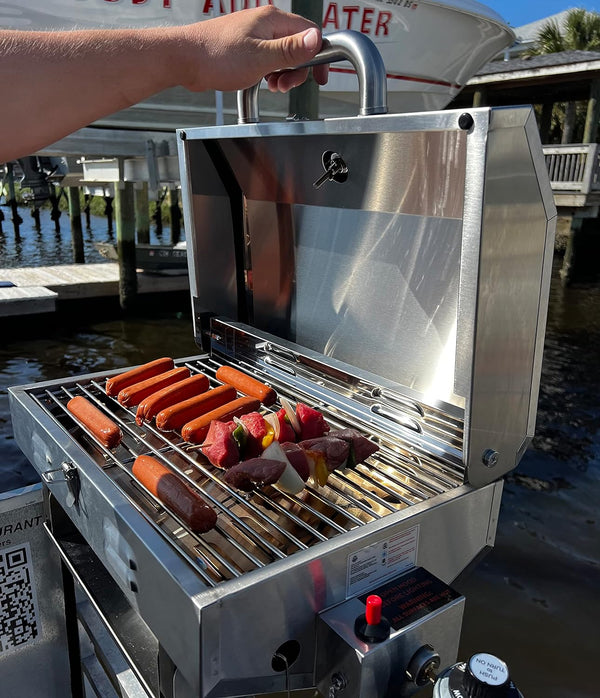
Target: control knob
x,y
483,676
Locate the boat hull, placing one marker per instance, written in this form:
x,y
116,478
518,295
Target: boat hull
x,y
430,49
157,259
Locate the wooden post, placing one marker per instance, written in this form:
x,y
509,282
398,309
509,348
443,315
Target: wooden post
x,y
35,214
87,201
55,210
546,121
157,215
590,132
76,229
125,217
304,99
569,123
12,200
108,212
142,213
480,97
175,215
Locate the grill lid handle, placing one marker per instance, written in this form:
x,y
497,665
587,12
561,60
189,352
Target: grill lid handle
x,y
345,45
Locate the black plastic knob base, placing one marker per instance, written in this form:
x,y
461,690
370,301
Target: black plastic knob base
x,y
371,633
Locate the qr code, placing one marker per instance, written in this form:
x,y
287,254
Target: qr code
x,y
18,607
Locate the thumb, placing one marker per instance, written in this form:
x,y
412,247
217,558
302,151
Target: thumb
x,y
296,49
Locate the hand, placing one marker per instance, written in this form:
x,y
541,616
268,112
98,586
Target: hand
x,y
239,49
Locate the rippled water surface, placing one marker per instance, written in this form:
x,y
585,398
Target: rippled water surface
x,y
31,248
534,598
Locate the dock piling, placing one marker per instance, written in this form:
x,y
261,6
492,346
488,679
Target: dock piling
x,y
142,213
76,229
125,217
55,212
175,215
108,212
12,199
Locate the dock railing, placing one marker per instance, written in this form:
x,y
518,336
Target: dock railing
x,y
573,167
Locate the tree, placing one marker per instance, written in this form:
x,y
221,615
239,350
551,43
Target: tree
x,y
581,32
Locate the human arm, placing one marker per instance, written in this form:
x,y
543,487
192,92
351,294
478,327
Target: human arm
x,y
56,82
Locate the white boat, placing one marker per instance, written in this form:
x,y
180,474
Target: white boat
x,y
430,49
168,260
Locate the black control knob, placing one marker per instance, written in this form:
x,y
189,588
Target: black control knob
x,y
486,676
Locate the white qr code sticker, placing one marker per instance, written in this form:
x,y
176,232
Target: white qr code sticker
x,y
18,604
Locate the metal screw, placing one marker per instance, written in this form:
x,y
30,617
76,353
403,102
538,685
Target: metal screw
x,y
465,121
490,457
182,135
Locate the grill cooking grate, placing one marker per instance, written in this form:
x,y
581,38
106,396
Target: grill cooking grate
x,y
258,528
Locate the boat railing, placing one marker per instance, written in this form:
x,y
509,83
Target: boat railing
x,y
573,167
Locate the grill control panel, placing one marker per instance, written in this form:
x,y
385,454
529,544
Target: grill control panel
x,y
367,643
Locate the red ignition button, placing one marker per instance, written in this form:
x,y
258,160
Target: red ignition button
x,y
373,610
371,626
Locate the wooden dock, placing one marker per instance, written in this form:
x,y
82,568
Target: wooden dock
x,y
35,290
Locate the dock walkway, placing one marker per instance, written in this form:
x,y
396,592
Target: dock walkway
x,y
34,290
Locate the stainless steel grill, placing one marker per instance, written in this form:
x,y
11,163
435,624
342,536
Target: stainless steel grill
x,y
407,300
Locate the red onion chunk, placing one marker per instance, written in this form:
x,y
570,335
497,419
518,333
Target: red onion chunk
x,y
255,472
286,430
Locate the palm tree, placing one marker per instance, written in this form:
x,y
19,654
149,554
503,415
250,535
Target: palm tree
x,y
581,33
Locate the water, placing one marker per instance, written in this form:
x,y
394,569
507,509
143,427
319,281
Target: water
x,y
33,248
534,599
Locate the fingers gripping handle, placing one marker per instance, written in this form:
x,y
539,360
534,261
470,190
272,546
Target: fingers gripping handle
x,y
339,46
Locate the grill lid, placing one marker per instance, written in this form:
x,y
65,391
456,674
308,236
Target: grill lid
x,y
422,257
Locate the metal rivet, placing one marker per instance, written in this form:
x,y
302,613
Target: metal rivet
x,y
182,135
490,457
465,121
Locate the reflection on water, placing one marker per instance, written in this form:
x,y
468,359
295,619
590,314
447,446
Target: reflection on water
x,y
533,599
32,248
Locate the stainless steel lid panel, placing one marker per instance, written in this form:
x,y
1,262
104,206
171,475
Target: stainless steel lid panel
x,y
428,265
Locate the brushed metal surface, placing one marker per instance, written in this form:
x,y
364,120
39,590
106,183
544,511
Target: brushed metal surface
x,y
517,235
429,266
337,46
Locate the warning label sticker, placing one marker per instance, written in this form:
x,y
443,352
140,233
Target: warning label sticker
x,y
375,563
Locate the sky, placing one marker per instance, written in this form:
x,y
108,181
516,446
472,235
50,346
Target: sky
x,y
519,12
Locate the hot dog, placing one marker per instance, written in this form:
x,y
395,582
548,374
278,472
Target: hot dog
x,y
134,394
175,494
246,385
135,375
103,428
171,395
174,417
195,432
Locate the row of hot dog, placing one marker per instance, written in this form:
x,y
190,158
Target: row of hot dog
x,y
284,448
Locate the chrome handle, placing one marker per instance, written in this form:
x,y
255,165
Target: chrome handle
x,y
339,46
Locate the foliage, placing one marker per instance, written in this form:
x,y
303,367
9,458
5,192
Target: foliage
x,y
581,33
